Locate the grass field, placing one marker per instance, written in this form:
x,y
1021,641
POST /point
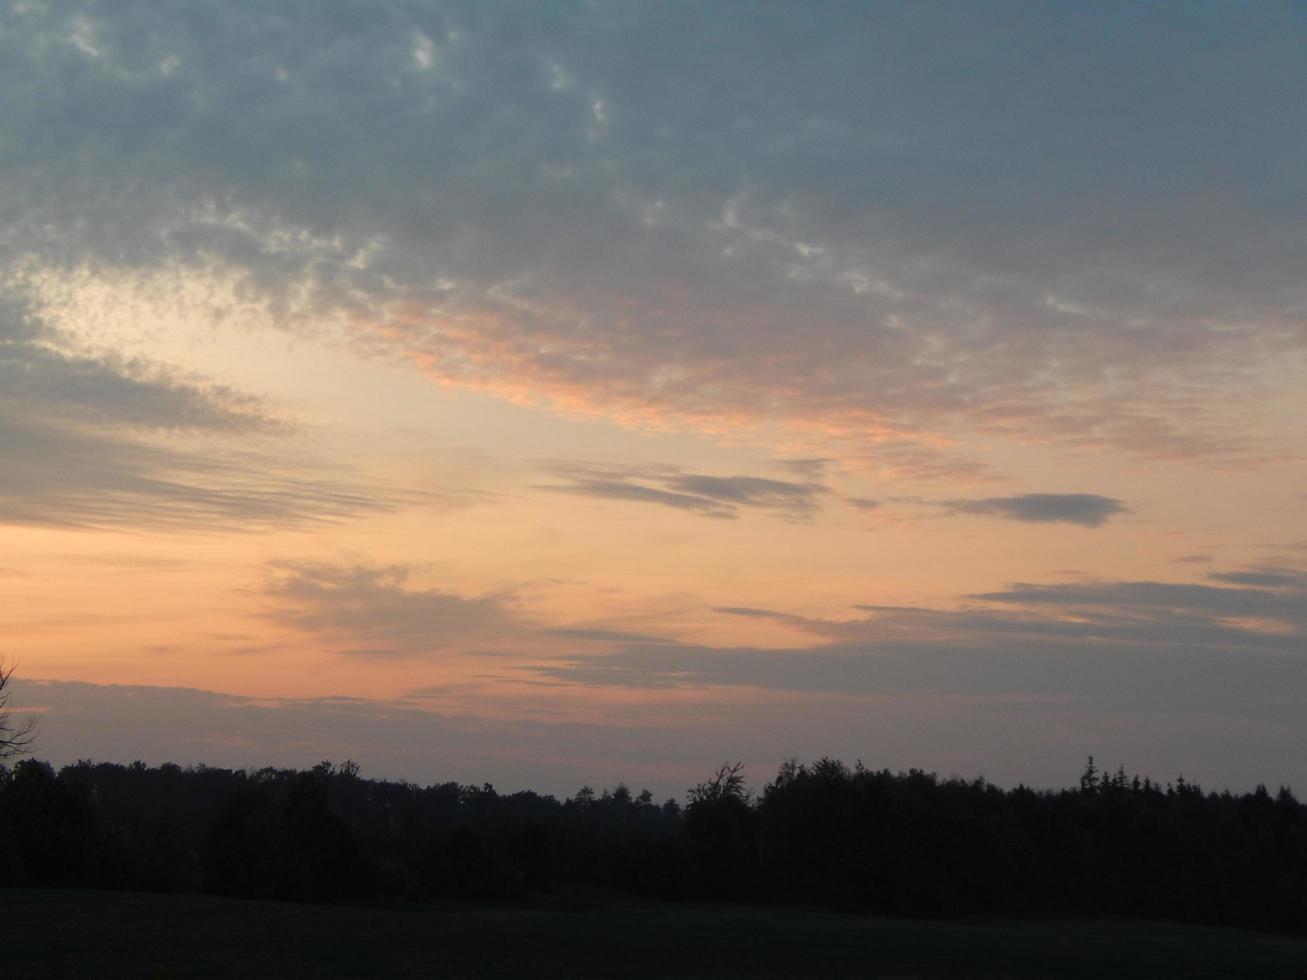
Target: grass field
x,y
51,934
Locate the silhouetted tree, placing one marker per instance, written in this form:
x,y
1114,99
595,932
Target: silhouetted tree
x,y
1089,779
247,843
719,825
14,738
53,824
276,838
906,843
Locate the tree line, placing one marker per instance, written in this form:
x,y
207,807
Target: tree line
x,y
824,833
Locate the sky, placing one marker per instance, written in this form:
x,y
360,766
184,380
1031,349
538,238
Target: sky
x,y
559,394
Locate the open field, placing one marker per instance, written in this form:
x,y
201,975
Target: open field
x,y
52,934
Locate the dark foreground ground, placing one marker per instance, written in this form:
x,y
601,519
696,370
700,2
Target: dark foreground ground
x,y
48,934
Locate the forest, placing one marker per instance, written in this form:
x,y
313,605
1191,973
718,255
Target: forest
x,y
822,834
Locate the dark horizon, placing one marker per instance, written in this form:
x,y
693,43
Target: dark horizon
x,y
819,833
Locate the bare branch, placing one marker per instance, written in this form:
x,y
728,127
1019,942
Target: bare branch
x,y
14,738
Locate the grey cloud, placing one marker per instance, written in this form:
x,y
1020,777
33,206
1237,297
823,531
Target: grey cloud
x,y
1085,509
597,635
1187,675
1053,615
58,477
862,503
41,379
1264,577
102,442
371,611
1039,741
1161,600
400,738
1121,679
1116,646
811,469
749,612
622,490
44,382
749,491
1061,237
705,495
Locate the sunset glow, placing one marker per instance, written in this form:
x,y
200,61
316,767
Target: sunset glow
x,y
552,395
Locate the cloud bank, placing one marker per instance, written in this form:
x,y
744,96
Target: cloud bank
x,y
400,738
1228,646
1119,646
631,212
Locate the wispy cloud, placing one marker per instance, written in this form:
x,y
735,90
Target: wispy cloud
x,y
1119,646
94,442
1269,578
55,477
697,493
626,490
862,503
42,378
371,611
1085,509
1279,596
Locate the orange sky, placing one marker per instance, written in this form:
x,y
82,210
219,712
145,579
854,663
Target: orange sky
x,y
608,416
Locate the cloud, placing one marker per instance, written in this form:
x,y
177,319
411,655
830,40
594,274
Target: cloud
x,y
1085,509
1123,680
597,635
1019,684
370,611
862,503
55,477
749,491
97,441
1277,596
623,490
1116,647
1038,742
749,612
399,738
1080,245
1264,577
811,469
42,379
378,611
697,493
